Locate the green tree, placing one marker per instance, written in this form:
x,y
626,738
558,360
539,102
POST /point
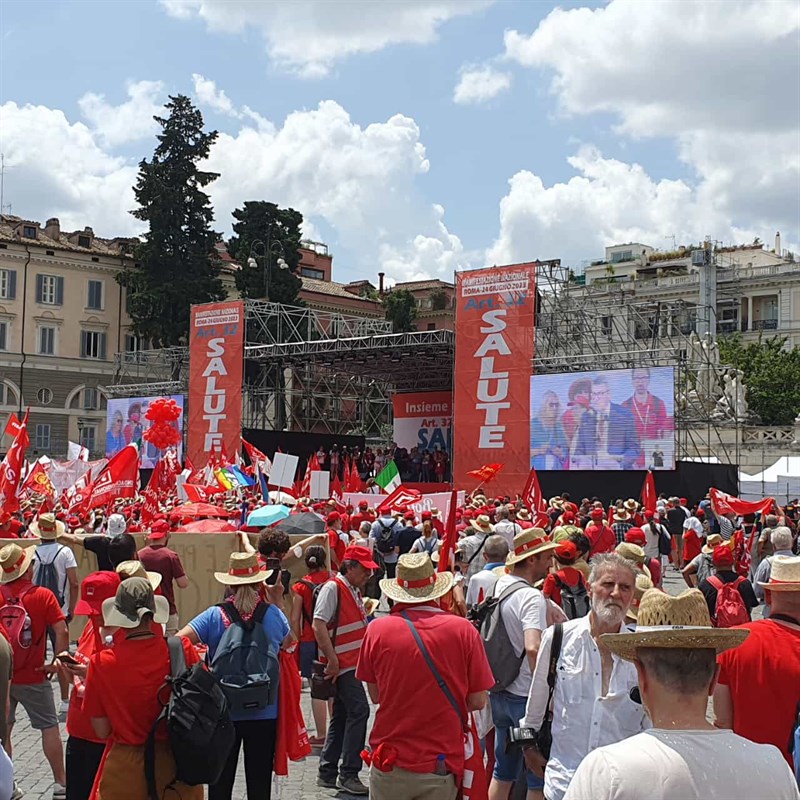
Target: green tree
x,y
770,374
401,310
439,299
278,232
176,264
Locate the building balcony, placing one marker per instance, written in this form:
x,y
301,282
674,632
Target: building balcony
x,y
765,325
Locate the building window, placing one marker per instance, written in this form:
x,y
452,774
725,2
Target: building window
x,y
88,437
621,255
8,284
133,346
45,396
90,399
47,341
3,336
94,299
93,344
431,326
29,231
42,437
50,290
309,272
84,241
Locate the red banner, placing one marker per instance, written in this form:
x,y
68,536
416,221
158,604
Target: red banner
x,y
532,494
724,503
119,478
494,353
11,469
216,358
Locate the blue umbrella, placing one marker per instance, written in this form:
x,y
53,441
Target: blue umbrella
x,y
267,515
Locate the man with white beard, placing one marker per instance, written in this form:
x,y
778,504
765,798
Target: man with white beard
x,y
594,702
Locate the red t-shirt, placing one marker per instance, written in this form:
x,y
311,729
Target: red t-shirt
x,y
568,575
427,726
763,675
123,683
337,547
307,634
357,519
602,538
654,565
166,563
44,610
692,545
79,723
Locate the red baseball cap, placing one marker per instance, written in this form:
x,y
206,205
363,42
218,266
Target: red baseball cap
x,y
361,554
334,516
597,513
722,556
426,515
636,536
363,505
700,513
568,516
158,530
95,588
567,552
408,515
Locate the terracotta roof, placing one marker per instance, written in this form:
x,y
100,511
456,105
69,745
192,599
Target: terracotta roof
x,y
427,284
9,224
332,288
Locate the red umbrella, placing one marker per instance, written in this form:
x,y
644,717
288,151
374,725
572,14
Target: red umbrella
x,y
207,526
200,510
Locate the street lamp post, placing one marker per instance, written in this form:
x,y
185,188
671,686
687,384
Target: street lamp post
x,y
260,250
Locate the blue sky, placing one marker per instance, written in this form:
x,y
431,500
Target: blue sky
x,y
601,132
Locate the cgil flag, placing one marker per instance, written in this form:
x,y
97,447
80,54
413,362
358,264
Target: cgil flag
x,y
11,469
119,478
388,478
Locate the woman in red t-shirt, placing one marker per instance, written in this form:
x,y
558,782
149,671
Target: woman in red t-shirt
x,y
302,614
566,554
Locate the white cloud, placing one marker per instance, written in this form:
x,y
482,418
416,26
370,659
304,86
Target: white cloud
x,y
129,121
310,36
206,92
477,84
715,79
360,182
61,170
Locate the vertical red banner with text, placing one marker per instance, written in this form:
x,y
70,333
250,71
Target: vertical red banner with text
x,y
216,364
495,311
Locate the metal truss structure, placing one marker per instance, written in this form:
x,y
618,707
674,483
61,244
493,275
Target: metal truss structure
x,y
308,370
606,326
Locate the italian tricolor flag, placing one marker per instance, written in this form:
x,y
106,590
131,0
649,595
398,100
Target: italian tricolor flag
x,y
388,478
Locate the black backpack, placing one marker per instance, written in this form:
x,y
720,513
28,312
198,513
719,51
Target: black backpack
x,y
201,733
47,575
314,589
385,540
574,599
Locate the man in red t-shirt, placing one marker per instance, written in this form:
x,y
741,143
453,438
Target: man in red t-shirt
x,y
363,515
758,689
29,685
157,557
417,739
599,534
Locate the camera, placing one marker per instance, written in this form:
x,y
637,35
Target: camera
x,y
521,737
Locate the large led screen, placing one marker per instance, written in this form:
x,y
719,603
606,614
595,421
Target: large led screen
x,y
607,420
126,422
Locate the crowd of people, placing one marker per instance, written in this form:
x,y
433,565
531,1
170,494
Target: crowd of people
x,y
529,653
415,465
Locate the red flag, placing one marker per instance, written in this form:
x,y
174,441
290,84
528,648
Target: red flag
x,y
312,466
119,478
450,534
723,503
75,496
11,469
38,481
648,495
353,479
257,458
336,488
486,473
13,425
532,494
150,503
200,494
399,498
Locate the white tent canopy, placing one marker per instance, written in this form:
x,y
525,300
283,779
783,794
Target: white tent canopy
x,y
781,480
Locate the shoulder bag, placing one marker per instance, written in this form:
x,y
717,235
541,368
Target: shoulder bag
x,y
544,736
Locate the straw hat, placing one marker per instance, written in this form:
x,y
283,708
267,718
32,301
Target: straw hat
x,y
528,543
134,599
135,569
523,514
621,515
243,568
416,582
635,553
14,561
785,575
714,540
643,583
631,505
482,523
46,526
680,622
556,502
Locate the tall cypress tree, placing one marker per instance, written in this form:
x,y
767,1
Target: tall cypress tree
x,y
177,263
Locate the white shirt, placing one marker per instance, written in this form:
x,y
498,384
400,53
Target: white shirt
x,y
525,610
484,580
672,765
582,719
508,530
651,543
468,547
64,558
328,599
695,525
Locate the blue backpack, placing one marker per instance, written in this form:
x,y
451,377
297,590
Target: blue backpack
x,y
245,663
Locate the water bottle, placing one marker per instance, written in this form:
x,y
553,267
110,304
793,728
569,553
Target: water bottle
x,y
26,635
441,767
109,640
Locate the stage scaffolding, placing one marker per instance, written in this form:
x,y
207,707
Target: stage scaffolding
x,y
309,371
